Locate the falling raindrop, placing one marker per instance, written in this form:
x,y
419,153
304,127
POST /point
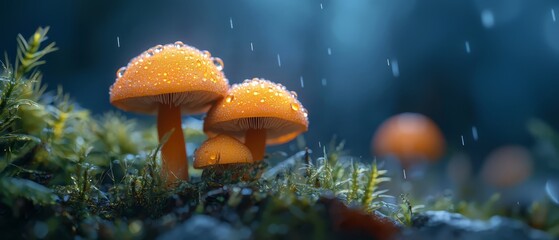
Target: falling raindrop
x,y
474,133
302,82
179,44
487,18
218,63
319,145
553,14
404,171
467,45
118,39
251,47
395,68
120,72
324,82
231,22
329,51
462,137
388,62
295,106
279,60
552,190
321,7
229,98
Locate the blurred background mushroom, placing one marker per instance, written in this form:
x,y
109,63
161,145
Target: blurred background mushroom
x,y
507,166
410,137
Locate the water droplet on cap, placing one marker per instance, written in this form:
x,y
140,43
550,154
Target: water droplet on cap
x,y
229,98
158,48
294,94
207,53
120,72
295,106
179,44
218,63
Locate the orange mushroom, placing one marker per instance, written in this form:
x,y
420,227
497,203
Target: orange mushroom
x,y
409,137
221,150
223,158
507,166
260,112
170,80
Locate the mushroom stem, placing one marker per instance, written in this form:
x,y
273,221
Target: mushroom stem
x,y
173,152
255,140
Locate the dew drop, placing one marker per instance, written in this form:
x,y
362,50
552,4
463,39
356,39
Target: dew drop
x,y
229,98
294,94
149,52
262,100
218,63
179,44
120,72
207,53
158,48
305,113
213,157
255,93
295,106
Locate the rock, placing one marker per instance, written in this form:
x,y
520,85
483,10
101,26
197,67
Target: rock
x,y
445,225
205,227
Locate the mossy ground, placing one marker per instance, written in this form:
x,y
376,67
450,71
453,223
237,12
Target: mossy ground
x,y
66,173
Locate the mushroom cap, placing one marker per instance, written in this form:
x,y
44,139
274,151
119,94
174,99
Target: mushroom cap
x,y
221,149
172,74
258,104
409,136
507,166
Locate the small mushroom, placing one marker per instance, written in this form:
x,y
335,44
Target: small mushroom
x,y
223,158
167,81
507,166
221,150
259,112
410,137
